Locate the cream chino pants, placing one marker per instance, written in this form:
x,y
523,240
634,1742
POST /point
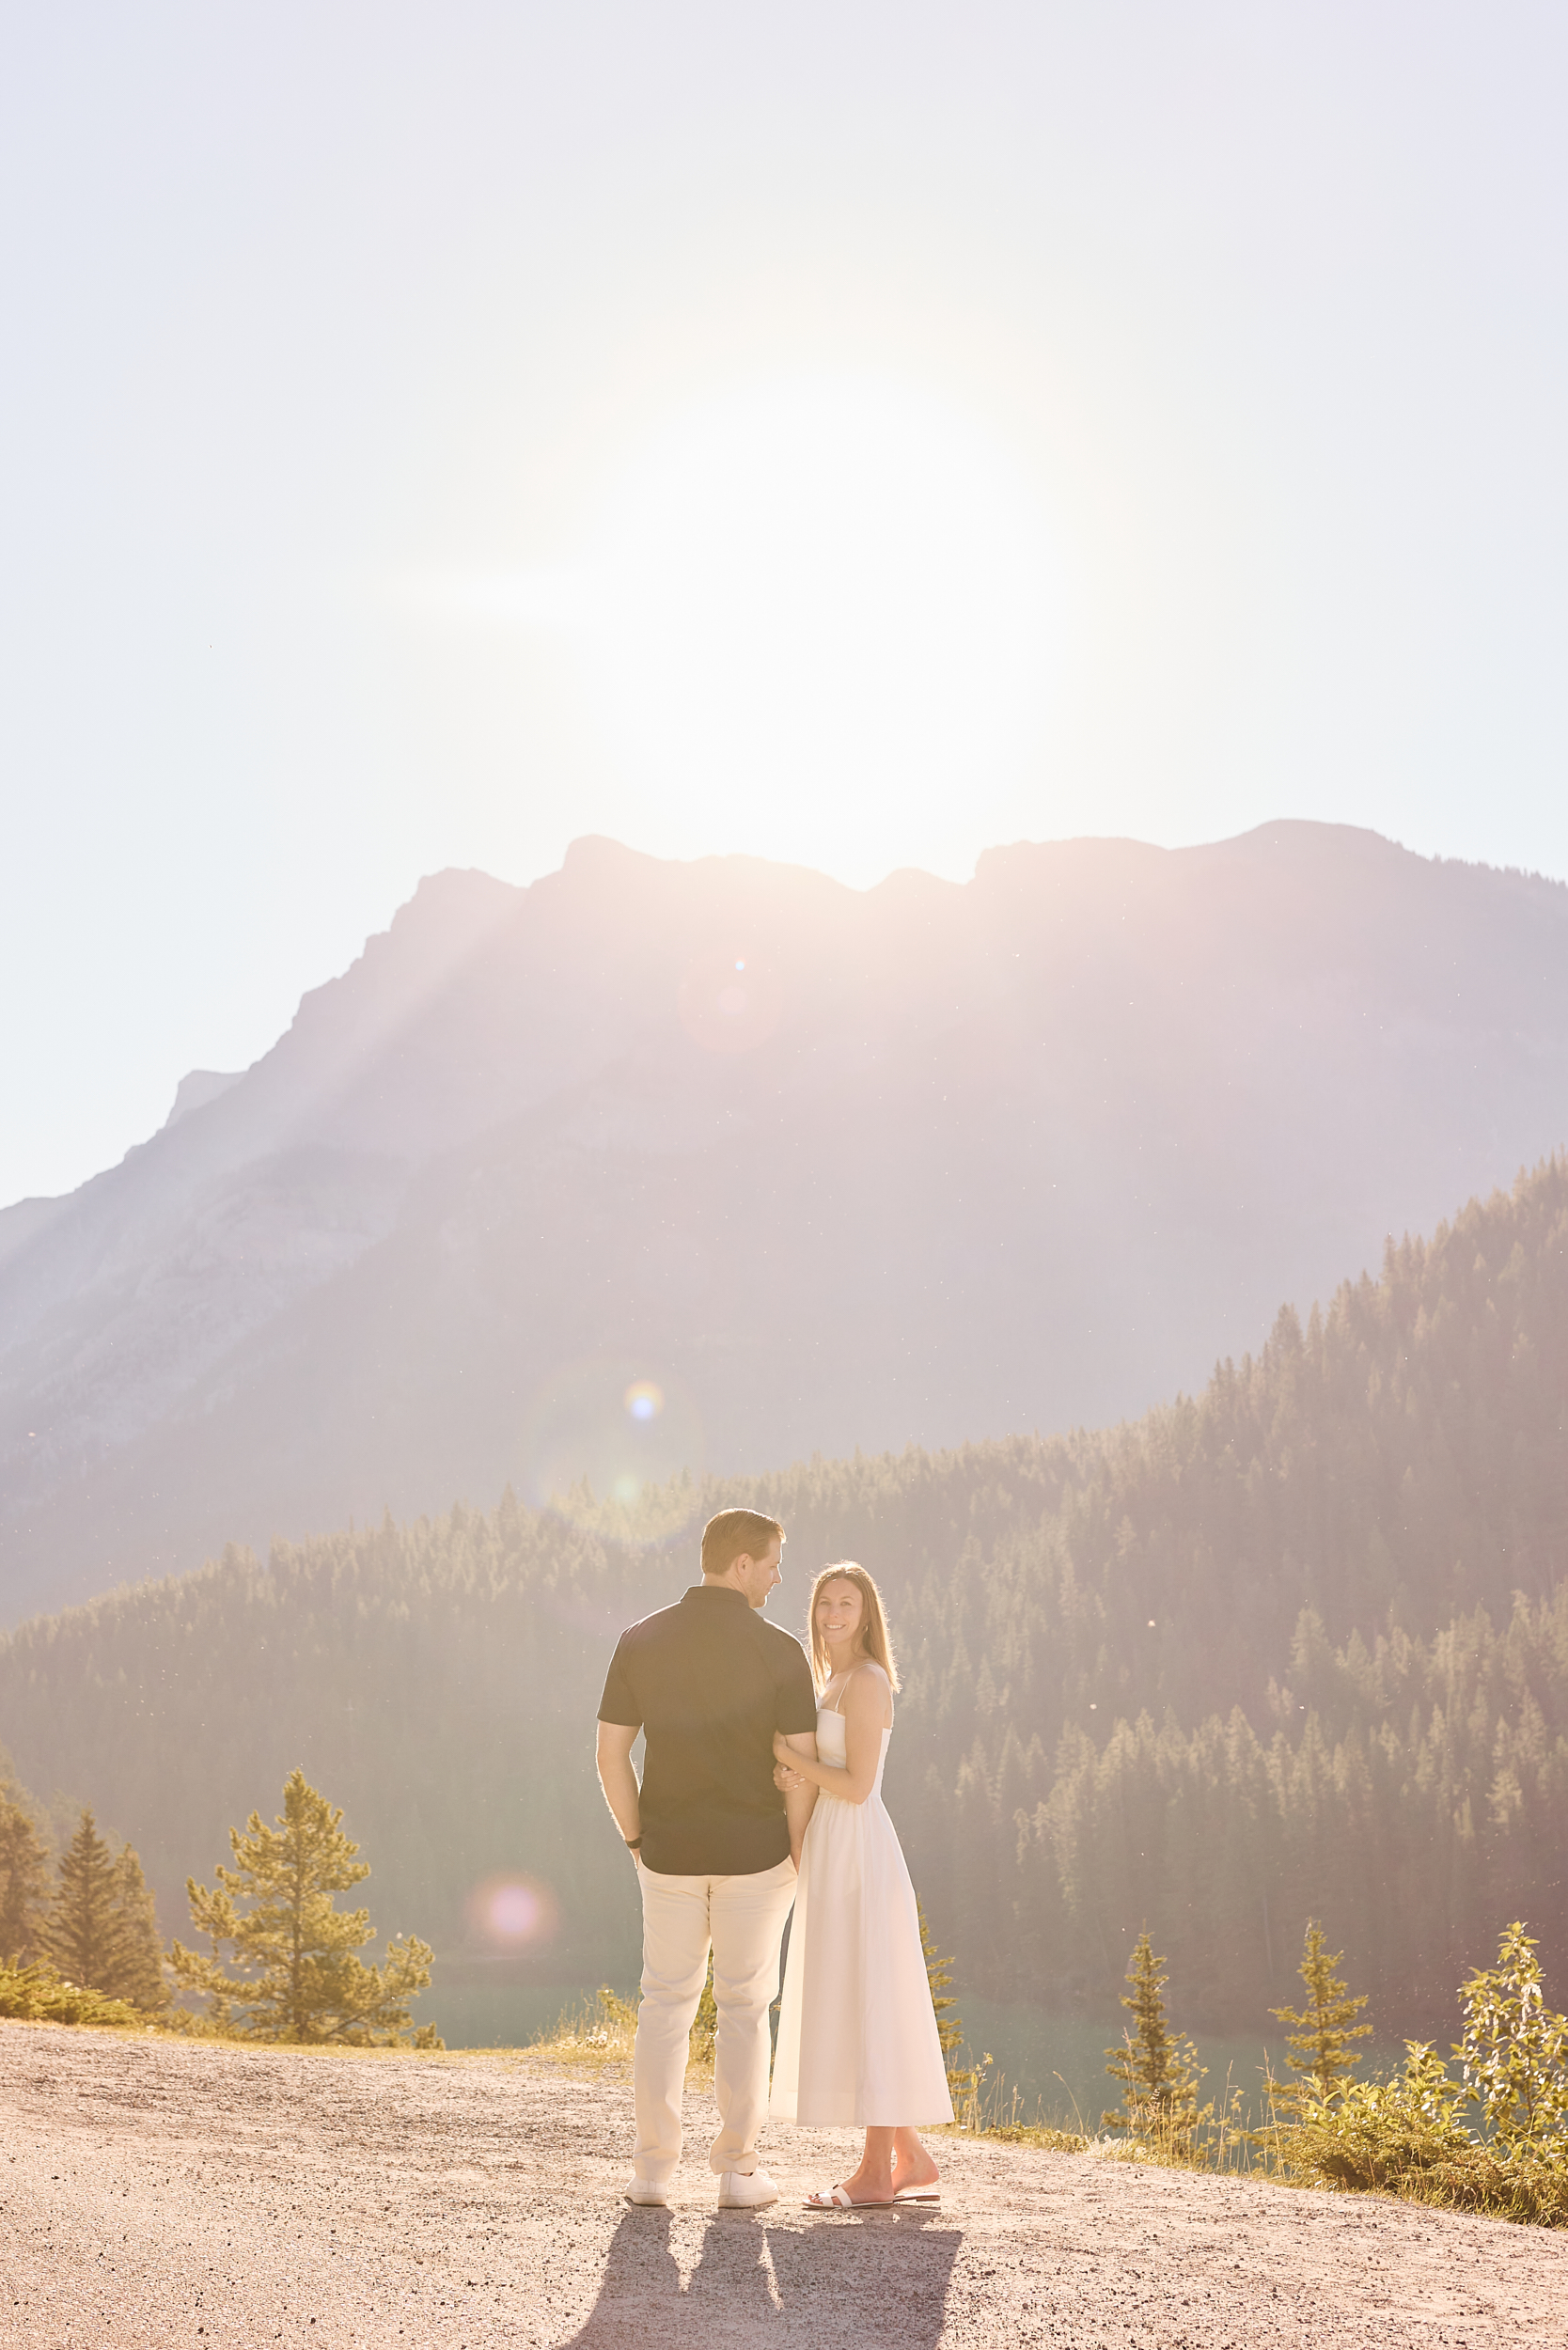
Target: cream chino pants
x,y
742,1919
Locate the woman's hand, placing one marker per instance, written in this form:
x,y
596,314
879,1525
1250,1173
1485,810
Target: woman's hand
x,y
784,1778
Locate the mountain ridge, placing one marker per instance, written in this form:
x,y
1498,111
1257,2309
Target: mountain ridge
x,y
925,1162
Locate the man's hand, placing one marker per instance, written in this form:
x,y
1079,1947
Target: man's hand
x,y
618,1780
800,1800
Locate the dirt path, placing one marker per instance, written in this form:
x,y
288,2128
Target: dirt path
x,y
158,2193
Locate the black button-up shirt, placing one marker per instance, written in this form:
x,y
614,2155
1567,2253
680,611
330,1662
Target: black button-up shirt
x,y
709,1680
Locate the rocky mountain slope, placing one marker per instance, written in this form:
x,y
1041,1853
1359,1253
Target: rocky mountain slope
x,y
653,1165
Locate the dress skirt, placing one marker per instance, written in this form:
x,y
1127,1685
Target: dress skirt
x,y
857,2037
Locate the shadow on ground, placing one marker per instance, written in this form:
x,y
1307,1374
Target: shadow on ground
x,y
867,2276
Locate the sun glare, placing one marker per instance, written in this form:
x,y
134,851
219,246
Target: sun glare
x,y
813,618
830,598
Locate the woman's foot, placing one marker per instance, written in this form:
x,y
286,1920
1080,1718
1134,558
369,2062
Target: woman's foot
x,y
873,2180
914,2174
870,2185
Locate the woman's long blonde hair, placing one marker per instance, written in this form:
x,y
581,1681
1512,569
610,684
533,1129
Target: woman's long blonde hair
x,y
873,1622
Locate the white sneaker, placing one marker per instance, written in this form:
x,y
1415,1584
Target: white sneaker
x,y
648,2191
746,2190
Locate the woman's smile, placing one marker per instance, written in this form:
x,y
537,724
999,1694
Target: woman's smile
x,y
839,1613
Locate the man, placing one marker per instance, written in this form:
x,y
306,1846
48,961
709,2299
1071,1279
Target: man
x,y
715,1844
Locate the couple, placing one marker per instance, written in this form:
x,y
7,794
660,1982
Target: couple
x,y
761,1789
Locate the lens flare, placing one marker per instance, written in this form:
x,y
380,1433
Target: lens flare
x,y
512,1911
729,1003
603,1429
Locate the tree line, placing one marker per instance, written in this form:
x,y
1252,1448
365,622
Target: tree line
x,y
1414,1795
1492,2137
91,1917
1297,1646
282,1961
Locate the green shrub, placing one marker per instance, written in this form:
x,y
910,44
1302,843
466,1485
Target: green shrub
x,y
1514,2051
1376,2134
1408,2136
39,1993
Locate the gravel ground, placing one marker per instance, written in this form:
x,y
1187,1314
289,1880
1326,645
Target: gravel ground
x,y
160,2192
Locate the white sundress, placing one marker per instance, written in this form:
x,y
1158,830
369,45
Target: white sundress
x,y
857,2031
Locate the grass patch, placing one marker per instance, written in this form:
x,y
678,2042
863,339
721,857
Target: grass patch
x,y
1044,2135
596,2032
602,2031
985,2106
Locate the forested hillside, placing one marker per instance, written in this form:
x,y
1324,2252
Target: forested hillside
x,y
1299,1644
824,1167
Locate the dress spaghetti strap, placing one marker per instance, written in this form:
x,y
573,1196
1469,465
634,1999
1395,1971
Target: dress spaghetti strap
x,y
838,1704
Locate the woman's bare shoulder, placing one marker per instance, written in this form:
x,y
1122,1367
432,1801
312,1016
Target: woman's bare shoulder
x,y
868,1689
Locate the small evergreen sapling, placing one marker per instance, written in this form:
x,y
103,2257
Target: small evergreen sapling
x,y
1158,2069
1318,2047
139,1974
962,2079
298,1977
949,2026
24,1883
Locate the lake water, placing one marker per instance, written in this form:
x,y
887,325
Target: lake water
x,y
1056,2062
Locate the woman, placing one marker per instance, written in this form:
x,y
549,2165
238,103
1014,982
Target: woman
x,y
857,2033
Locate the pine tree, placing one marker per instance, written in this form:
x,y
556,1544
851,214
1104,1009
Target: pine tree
x,y
24,1883
138,1977
950,2024
1318,2047
1158,2070
964,2080
86,1934
298,1979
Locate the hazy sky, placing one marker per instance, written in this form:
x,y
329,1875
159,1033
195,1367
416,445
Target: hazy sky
x,y
855,433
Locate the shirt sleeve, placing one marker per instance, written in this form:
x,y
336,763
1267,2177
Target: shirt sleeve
x,y
619,1704
795,1700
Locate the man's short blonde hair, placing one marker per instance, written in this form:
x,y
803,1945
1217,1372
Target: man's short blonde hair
x,y
737,1534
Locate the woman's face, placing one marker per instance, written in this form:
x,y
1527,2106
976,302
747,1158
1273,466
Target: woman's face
x,y
841,1610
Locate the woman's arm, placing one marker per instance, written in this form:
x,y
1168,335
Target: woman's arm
x,y
865,1703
